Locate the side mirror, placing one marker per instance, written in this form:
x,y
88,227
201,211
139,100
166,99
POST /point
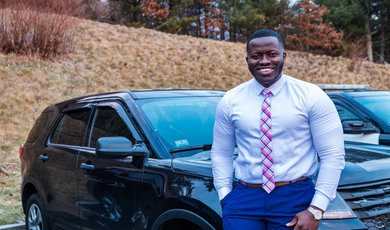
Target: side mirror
x,y
118,147
359,127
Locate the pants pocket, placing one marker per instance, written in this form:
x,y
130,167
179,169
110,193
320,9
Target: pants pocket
x,y
226,198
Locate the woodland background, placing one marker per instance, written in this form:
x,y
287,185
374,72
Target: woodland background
x,y
53,50
351,28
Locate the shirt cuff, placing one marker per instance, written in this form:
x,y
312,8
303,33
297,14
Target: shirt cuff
x,y
320,201
222,192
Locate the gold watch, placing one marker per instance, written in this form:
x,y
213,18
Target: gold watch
x,y
317,214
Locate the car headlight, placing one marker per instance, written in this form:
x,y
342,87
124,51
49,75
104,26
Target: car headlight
x,y
338,209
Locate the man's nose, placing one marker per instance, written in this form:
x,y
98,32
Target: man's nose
x,y
264,60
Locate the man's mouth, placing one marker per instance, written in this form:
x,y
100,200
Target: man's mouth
x,y
265,70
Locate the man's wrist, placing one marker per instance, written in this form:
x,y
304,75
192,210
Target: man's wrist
x,y
320,200
317,208
316,212
222,192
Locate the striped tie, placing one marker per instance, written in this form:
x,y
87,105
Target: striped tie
x,y
266,144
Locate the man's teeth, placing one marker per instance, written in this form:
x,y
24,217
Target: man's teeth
x,y
265,70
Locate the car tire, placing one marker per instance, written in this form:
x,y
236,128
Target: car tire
x,y
36,218
180,224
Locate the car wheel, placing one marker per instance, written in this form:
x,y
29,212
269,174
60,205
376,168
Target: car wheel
x,y
36,218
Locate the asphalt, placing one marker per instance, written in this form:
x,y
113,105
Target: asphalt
x,y
18,226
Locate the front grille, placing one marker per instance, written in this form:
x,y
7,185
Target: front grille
x,y
371,203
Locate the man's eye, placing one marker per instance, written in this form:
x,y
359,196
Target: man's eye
x,y
273,54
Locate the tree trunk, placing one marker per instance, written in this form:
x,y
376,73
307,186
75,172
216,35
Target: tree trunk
x,y
370,55
383,46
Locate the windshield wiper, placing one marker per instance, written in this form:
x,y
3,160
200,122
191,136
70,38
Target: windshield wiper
x,y
202,147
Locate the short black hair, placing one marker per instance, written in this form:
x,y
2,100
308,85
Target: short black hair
x,y
265,33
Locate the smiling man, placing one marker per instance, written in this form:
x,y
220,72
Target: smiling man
x,y
280,126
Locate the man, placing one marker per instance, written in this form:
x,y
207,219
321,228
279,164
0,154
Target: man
x,y
280,126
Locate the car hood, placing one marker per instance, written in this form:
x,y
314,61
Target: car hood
x,y
363,164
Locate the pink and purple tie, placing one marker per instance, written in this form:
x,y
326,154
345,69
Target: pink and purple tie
x,y
266,143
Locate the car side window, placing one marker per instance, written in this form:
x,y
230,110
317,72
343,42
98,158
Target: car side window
x,y
345,114
71,128
108,123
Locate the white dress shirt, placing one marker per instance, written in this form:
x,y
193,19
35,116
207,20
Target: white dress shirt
x,y
305,125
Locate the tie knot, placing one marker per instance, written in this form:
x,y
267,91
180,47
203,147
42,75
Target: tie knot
x,y
266,92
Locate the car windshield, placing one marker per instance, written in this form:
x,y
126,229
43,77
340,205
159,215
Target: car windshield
x,y
184,124
378,105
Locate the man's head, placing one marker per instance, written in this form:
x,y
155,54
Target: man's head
x,y
265,56
265,33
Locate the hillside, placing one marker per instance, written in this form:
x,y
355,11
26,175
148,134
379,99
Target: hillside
x,y
110,58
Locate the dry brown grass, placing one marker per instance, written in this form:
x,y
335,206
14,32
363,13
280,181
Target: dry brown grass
x,y
110,58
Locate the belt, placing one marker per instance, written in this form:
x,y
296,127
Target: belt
x,y
277,184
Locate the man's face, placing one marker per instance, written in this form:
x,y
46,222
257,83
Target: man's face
x,y
265,60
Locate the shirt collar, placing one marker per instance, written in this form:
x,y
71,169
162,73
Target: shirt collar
x,y
275,88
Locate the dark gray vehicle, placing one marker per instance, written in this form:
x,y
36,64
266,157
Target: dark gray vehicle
x,y
141,160
364,113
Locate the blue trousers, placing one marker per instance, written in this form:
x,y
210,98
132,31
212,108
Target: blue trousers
x,y
253,208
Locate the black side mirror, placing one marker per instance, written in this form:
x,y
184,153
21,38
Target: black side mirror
x,y
358,126
118,147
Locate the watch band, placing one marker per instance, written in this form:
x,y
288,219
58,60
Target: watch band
x,y
317,214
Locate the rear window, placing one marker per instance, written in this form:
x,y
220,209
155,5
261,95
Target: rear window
x,y
41,124
345,114
71,128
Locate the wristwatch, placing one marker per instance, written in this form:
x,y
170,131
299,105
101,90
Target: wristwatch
x,y
316,213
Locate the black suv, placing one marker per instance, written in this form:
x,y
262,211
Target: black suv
x,y
140,160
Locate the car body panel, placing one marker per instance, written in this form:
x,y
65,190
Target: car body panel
x,y
60,183
370,138
109,194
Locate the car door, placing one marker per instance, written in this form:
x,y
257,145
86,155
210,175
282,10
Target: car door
x,y
356,127
109,189
60,156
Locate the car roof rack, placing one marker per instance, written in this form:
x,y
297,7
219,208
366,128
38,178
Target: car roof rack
x,y
343,87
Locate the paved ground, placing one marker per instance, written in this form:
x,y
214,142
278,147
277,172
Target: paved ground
x,y
18,226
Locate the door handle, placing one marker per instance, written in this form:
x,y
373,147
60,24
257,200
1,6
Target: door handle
x,y
87,166
43,157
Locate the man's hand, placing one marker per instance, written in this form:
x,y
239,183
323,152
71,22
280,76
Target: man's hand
x,y
304,221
